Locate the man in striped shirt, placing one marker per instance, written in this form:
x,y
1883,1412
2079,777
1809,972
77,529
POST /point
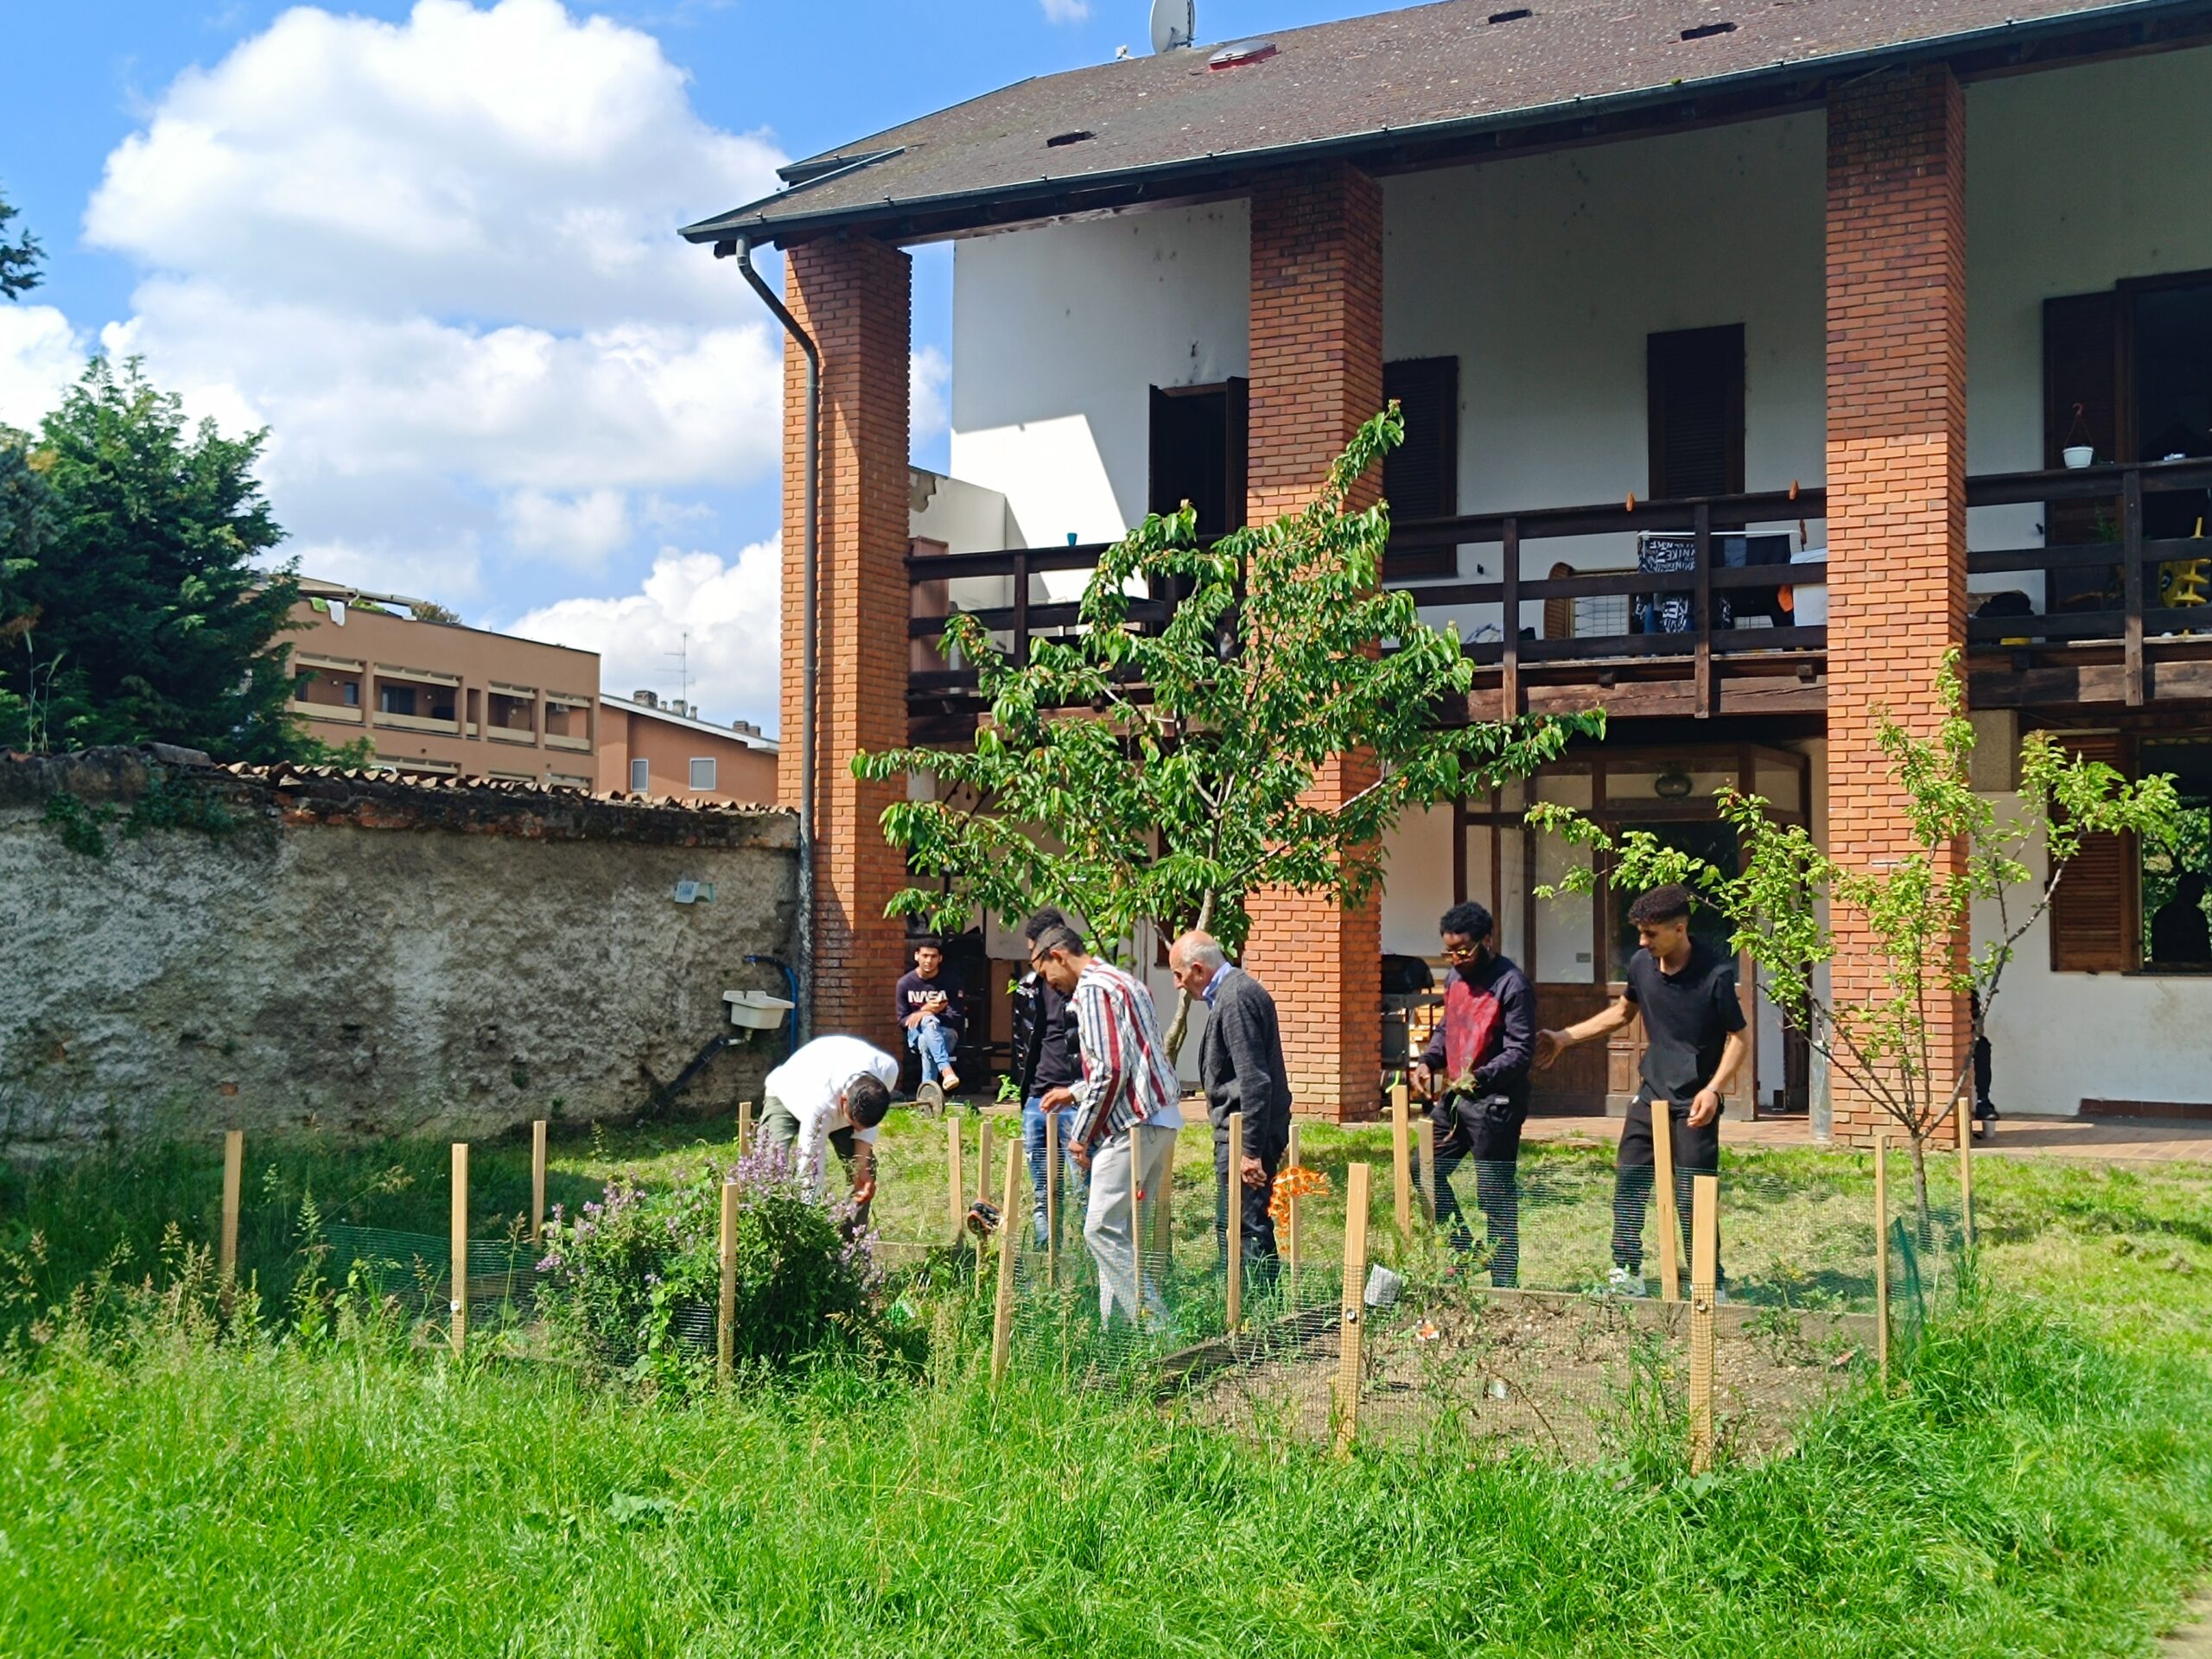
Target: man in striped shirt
x,y
1126,1114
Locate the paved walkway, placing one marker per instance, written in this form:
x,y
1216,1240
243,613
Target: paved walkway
x,y
2153,1139
2193,1640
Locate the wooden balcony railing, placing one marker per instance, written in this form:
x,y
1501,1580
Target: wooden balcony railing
x,y
2119,608
2115,584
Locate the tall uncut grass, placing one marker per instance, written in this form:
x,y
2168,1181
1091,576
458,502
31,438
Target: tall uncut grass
x,y
2037,1481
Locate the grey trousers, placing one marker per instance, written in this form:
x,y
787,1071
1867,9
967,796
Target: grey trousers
x,y
1119,1173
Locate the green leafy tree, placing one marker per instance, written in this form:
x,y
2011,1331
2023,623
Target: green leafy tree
x,y
1166,776
1911,915
19,257
150,619
26,518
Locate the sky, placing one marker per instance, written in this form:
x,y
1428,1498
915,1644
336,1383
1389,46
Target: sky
x,y
431,248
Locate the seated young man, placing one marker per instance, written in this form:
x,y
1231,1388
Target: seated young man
x,y
933,1011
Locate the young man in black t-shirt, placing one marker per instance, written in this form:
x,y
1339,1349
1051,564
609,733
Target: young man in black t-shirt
x,y
1692,1048
933,1010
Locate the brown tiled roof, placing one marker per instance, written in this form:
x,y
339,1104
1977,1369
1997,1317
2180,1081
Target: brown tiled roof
x,y
1425,73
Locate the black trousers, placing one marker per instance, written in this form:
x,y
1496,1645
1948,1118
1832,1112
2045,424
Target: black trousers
x,y
1485,1129
1257,1226
1696,1152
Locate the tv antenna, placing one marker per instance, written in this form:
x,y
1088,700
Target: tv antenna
x,y
683,655
1174,24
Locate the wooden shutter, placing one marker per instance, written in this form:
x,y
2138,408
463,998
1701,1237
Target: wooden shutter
x,y
1420,477
2093,928
1693,387
2081,366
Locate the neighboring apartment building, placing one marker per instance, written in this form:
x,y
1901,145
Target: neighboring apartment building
x,y
647,746
1667,292
436,698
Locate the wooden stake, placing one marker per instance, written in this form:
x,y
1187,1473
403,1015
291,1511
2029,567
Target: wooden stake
x,y
1290,1227
1427,1127
726,1312
1704,1273
226,1246
1662,1190
1163,1212
744,1126
1966,1183
956,1188
460,1307
1233,1198
1353,1311
1053,1199
1882,1253
983,1186
537,1181
1401,1171
1135,1133
1009,1247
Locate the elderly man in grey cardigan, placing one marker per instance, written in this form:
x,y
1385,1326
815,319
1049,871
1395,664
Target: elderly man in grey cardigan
x,y
1240,1066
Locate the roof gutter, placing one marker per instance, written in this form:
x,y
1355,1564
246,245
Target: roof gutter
x,y
751,221
809,628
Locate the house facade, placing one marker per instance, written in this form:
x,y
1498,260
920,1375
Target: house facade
x,y
1750,366
653,745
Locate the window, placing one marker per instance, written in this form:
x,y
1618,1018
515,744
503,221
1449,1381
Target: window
x,y
396,699
351,688
2177,885
641,776
1198,443
1693,386
702,775
301,681
1420,477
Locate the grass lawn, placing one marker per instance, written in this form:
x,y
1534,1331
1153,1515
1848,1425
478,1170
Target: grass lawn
x,y
2037,1481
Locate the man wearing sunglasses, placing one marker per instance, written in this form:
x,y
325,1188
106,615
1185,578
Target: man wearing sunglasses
x,y
1475,1070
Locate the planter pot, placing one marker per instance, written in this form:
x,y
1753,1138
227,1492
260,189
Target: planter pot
x,y
2077,456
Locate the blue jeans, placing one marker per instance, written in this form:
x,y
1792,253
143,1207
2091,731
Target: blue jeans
x,y
934,1044
1033,1142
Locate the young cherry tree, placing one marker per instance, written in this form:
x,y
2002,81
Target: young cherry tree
x,y
1911,915
1134,776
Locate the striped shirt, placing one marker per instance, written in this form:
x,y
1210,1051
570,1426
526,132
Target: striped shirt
x,y
1127,1076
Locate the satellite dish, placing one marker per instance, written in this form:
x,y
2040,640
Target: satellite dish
x,y
1174,24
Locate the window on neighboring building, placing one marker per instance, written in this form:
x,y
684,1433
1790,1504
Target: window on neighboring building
x,y
351,688
1693,388
641,776
1420,477
301,681
702,775
395,699
1198,446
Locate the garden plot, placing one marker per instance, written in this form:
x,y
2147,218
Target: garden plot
x,y
1574,1378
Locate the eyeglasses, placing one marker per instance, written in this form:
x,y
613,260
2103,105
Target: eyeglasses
x,y
1463,953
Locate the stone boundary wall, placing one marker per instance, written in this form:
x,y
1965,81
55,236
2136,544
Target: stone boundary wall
x,y
354,953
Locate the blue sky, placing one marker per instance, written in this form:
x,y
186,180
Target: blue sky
x,y
430,246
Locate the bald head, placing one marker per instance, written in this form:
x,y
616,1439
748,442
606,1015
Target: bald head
x,y
1194,959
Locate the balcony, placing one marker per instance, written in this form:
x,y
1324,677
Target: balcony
x,y
2124,617
399,722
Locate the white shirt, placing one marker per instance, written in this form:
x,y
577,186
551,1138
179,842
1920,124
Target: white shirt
x,y
809,1084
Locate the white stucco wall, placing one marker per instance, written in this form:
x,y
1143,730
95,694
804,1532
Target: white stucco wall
x,y
1059,336
2056,1039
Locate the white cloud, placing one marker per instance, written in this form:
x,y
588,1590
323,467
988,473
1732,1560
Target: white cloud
x,y
730,610
510,162
40,355
1066,11
927,376
436,258
579,530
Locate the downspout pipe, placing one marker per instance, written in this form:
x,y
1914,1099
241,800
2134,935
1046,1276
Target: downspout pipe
x,y
809,628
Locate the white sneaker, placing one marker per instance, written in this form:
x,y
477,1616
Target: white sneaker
x,y
1622,1282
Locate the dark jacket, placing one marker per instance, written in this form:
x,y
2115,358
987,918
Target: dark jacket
x,y
1240,1065
1489,1028
1047,1049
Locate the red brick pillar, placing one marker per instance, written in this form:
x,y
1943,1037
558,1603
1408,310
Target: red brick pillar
x,y
854,297
1316,374
1896,476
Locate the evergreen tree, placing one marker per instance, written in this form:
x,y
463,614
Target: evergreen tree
x,y
19,258
140,613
